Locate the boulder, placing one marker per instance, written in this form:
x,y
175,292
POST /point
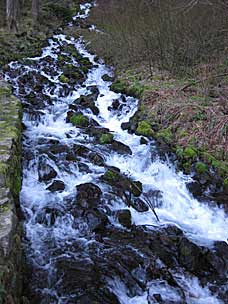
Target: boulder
x,y
124,218
120,148
57,185
88,195
45,171
139,205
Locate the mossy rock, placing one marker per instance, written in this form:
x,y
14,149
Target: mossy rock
x,y
79,120
106,139
166,135
144,129
111,176
106,77
119,86
122,182
201,168
187,167
225,183
190,153
179,152
64,79
136,90
5,91
136,188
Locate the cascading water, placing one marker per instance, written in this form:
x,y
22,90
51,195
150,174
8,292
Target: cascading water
x,y
87,240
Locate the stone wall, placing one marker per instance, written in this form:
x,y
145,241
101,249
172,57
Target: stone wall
x,y
10,183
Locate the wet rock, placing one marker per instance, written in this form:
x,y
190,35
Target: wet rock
x,y
124,218
71,157
57,148
64,90
45,170
48,216
73,74
88,195
139,205
94,89
122,183
106,77
88,101
81,150
47,141
93,123
195,188
143,141
96,220
125,125
136,188
57,185
84,168
120,147
115,104
96,159
189,255
97,132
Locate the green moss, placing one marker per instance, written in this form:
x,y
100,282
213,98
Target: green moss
x,y
4,208
136,89
190,153
79,120
64,79
166,135
201,168
187,167
136,188
119,86
106,139
5,91
225,183
144,129
3,168
179,152
111,176
208,157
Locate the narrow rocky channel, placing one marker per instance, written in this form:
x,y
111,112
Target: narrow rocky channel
x,y
91,235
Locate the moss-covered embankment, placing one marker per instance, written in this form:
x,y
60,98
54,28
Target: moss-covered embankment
x,y
180,123
10,183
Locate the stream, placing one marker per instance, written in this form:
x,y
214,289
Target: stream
x,y
89,189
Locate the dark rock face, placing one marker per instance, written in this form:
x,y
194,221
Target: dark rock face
x,y
88,101
46,172
106,77
139,205
57,185
120,147
48,216
88,195
124,218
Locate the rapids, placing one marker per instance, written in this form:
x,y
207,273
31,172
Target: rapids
x,y
78,254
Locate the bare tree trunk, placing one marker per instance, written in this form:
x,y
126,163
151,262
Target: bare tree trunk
x,y
35,9
12,13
